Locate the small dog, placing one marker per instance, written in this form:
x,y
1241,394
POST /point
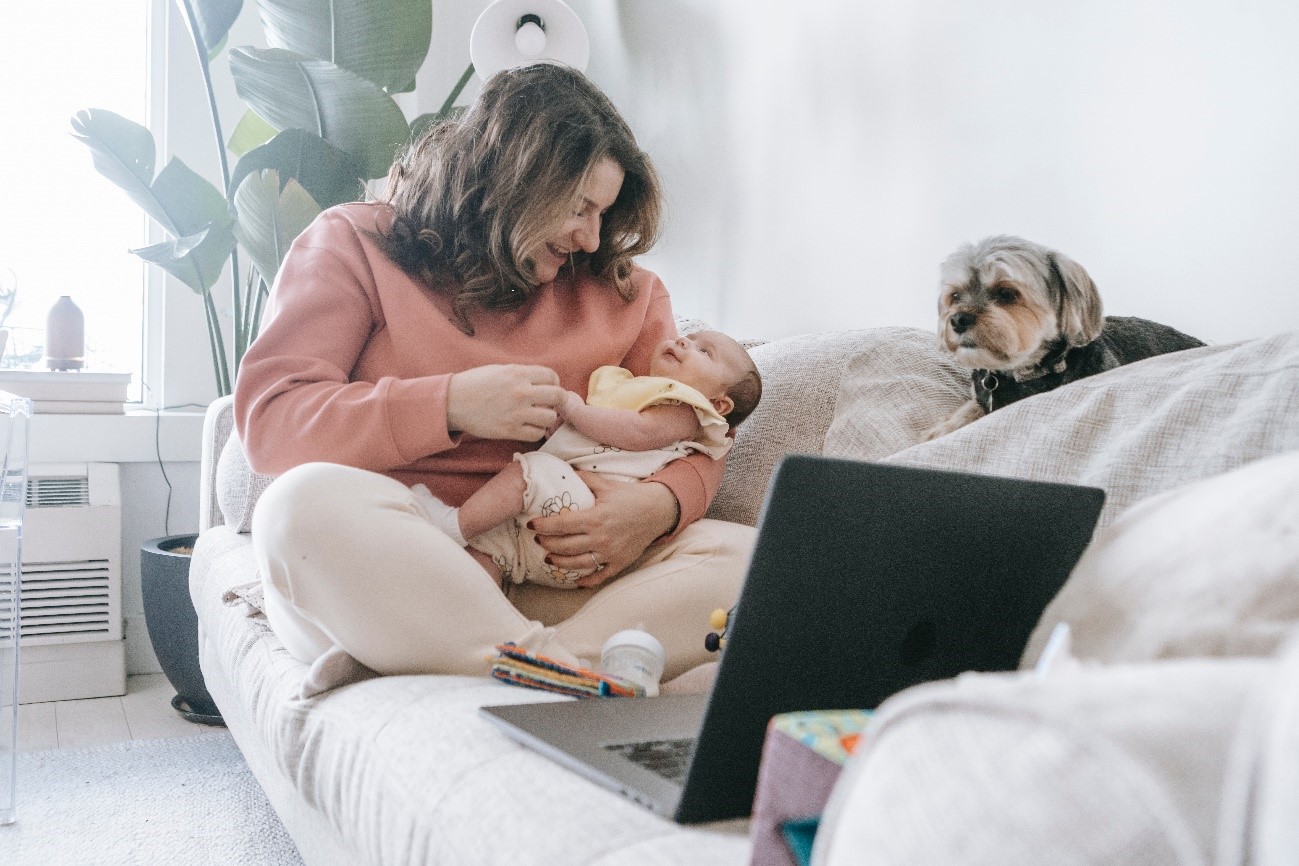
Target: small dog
x,y
1026,319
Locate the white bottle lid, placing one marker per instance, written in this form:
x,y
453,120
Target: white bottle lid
x,y
636,637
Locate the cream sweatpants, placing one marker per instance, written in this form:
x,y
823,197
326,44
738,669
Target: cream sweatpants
x,y
347,558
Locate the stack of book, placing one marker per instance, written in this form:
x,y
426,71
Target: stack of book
x,y
69,392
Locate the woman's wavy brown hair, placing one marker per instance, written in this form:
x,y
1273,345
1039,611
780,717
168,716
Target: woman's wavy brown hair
x,y
475,198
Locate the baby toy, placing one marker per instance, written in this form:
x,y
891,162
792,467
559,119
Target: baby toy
x,y
720,620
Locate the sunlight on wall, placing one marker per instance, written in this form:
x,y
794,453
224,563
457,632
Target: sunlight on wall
x,y
821,158
1145,139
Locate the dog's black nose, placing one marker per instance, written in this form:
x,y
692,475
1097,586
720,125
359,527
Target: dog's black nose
x,y
962,322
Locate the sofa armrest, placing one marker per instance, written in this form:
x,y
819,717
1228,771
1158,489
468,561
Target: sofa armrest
x,y
217,424
1101,765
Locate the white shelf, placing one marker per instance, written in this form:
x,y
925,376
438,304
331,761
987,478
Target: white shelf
x,y
137,436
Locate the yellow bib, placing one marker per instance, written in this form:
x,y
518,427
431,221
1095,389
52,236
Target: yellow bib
x,y
616,388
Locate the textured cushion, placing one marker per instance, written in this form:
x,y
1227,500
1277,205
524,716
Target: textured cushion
x,y
229,488
1100,765
217,424
895,387
237,486
1261,794
1209,569
861,394
1140,429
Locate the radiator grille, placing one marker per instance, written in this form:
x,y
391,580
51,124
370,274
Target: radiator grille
x,y
58,492
68,600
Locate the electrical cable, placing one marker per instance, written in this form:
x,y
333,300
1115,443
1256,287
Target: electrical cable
x,y
157,451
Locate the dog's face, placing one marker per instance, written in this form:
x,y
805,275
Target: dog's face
x,y
1004,300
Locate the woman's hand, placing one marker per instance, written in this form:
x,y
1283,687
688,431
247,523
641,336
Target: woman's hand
x,y
504,401
627,517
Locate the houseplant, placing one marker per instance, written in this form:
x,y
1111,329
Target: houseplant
x,y
320,122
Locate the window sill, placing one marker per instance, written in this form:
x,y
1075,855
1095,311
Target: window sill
x,y
138,436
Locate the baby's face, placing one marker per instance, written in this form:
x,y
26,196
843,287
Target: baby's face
x,y
709,361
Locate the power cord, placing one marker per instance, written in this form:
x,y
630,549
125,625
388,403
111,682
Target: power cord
x,y
157,451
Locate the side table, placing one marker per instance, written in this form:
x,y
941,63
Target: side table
x,y
15,415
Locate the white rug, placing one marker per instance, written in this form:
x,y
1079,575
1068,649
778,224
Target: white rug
x,y
189,800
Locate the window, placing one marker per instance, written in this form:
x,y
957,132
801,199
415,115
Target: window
x,y
66,229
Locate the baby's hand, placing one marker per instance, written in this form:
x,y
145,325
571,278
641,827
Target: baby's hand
x,y
571,401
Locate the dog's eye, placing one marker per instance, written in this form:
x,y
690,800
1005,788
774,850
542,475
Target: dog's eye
x,y
954,298
1003,295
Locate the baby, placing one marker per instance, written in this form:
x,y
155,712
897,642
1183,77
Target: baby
x,y
629,427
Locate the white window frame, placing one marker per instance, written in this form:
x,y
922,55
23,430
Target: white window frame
x,y
176,359
177,355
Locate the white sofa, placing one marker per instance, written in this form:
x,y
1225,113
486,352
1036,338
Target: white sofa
x,y
1159,749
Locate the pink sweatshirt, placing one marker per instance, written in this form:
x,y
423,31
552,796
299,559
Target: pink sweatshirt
x,y
354,358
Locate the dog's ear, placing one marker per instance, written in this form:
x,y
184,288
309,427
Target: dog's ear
x,y
1078,303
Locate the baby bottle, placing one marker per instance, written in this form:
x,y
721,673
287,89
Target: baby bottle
x,y
635,656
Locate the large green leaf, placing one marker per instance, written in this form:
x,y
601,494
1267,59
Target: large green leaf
x,y
251,131
294,92
123,151
329,175
213,19
180,200
384,41
190,201
196,259
270,218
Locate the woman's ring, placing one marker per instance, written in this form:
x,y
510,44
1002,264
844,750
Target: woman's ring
x,y
599,566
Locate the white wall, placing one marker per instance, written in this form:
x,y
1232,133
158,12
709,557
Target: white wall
x,y
822,157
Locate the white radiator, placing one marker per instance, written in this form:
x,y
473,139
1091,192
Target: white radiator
x,y
71,625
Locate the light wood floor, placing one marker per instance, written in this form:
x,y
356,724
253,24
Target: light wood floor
x,y
143,713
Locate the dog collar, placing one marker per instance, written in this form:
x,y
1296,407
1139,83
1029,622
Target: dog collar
x,y
1013,386
985,382
1054,361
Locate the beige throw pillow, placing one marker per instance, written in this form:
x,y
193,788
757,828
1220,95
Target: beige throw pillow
x,y
1208,569
238,487
1140,429
860,394
1096,766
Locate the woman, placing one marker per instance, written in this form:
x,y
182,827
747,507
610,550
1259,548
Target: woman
x,y
426,339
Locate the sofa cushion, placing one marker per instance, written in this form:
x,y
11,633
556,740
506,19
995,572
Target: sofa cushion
x,y
238,487
407,770
218,421
860,394
1261,793
1209,569
1141,429
1097,765
896,385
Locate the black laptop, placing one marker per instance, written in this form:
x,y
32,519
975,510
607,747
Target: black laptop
x,y
866,578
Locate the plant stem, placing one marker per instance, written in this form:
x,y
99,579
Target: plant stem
x,y
217,342
247,330
214,322
455,91
263,292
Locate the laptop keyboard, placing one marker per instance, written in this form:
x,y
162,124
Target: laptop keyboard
x,y
667,758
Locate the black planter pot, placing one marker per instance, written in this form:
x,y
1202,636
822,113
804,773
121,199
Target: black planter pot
x,y
173,625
